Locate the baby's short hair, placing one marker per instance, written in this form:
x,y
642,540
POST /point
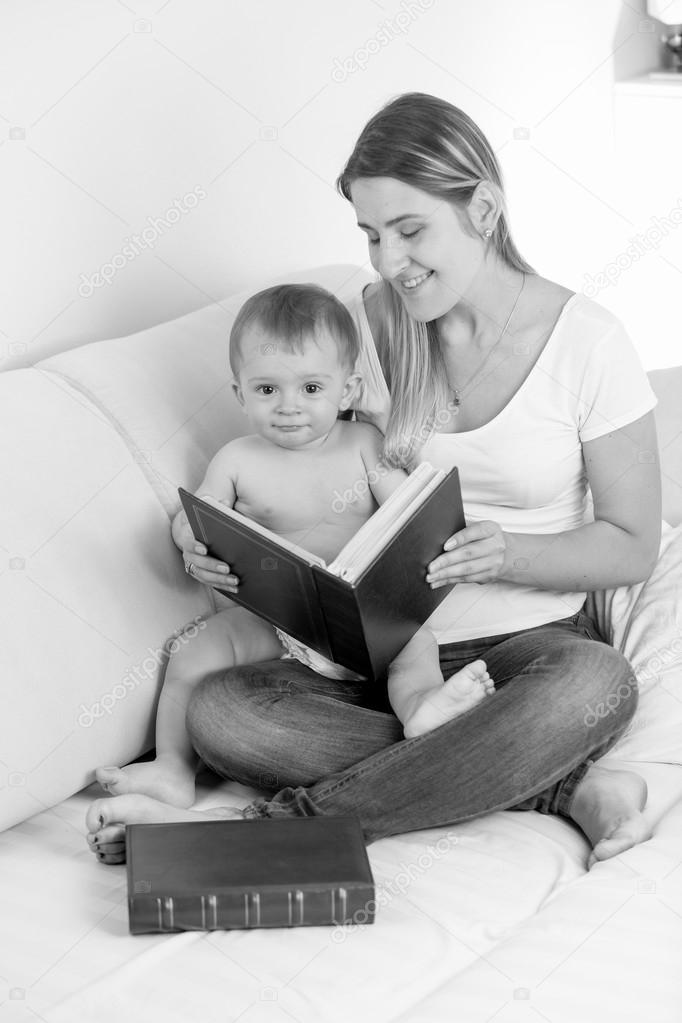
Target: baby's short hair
x,y
291,314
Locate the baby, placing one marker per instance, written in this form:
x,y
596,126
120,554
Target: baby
x,y
293,349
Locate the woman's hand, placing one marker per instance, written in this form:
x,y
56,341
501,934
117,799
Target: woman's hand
x,y
474,555
199,565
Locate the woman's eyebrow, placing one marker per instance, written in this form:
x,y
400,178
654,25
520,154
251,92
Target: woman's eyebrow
x,y
390,223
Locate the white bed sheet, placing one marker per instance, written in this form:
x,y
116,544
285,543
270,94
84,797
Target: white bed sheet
x,y
496,918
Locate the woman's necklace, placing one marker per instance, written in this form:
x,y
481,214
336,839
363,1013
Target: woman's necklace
x,y
459,392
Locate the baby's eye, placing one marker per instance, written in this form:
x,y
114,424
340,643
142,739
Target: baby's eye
x,y
266,389
312,388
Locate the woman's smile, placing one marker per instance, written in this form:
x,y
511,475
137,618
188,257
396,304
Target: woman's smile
x,y
415,282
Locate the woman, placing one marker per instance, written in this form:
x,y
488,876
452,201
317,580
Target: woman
x,y
470,359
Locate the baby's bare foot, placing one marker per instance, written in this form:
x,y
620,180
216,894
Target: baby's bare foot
x,y
169,781
457,694
608,806
106,820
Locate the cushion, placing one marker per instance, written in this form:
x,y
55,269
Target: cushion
x,y
91,589
644,622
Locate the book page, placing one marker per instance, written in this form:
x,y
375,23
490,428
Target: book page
x,y
386,522
380,521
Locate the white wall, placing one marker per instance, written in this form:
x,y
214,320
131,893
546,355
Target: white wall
x,y
112,111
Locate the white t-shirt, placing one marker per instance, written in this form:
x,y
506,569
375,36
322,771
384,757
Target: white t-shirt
x,y
524,469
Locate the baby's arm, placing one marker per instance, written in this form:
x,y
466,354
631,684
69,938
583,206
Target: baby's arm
x,y
219,483
383,478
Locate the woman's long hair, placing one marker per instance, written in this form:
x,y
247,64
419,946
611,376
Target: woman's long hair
x,y
431,145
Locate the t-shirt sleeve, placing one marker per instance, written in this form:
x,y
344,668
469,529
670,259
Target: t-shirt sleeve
x,y
615,390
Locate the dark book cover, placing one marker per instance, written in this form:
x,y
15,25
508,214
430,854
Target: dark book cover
x,y
220,875
362,625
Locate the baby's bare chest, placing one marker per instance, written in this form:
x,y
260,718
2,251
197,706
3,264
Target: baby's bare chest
x,y
291,495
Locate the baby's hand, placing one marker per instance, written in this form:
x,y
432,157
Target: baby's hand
x,y
200,565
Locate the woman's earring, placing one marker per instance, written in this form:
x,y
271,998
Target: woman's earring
x,y
488,233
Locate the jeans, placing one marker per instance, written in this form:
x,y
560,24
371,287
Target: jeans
x,y
321,746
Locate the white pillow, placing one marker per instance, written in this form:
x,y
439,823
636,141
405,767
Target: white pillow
x,y
644,622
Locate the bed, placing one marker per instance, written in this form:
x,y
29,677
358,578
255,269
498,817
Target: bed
x,y
496,919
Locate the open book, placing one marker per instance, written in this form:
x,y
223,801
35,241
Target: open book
x,y
362,609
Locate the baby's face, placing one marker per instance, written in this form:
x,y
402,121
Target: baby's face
x,y
292,398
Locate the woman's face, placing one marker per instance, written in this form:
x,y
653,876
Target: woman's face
x,y
417,244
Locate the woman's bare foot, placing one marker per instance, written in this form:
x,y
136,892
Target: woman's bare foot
x,y
607,806
170,781
448,700
106,820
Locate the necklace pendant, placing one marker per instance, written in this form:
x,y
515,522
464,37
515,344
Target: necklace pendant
x,y
456,398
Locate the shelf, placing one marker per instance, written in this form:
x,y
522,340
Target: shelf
x,y
667,84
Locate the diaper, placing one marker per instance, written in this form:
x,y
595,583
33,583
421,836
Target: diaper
x,y
294,650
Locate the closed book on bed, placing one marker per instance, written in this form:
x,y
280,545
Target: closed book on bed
x,y
362,622
220,875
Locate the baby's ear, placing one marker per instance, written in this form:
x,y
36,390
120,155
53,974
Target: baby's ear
x,y
350,390
238,392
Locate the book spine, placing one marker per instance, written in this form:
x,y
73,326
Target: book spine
x,y
295,907
345,628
